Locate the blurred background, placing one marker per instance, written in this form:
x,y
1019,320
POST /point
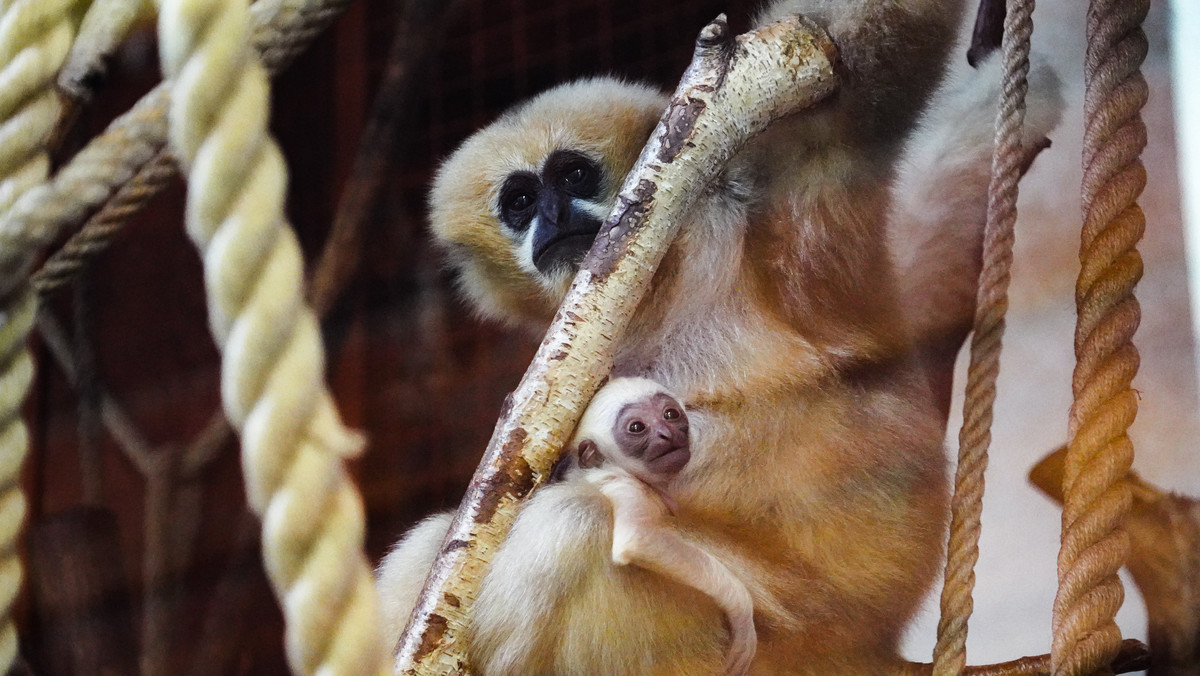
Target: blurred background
x,y
143,558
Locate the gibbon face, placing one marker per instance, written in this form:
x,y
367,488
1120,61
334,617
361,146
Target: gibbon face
x,y
639,425
517,206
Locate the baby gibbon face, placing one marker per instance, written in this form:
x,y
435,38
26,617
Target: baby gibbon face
x,y
653,431
517,206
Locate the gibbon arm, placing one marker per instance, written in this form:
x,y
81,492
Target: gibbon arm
x,y
642,538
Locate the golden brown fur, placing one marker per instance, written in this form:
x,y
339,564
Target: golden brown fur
x,y
817,470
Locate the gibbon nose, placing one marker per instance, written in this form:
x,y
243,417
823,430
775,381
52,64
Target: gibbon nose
x,y
555,209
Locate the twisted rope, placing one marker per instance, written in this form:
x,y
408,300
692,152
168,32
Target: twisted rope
x,y
108,161
272,375
16,373
282,28
1100,453
104,27
991,303
101,229
35,36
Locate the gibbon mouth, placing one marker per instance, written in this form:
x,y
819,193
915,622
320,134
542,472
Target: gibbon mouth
x,y
672,460
569,248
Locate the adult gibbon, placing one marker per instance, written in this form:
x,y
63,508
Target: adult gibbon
x,y
780,315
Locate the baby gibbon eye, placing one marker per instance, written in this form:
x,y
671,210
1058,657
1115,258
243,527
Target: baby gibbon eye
x,y
636,427
671,414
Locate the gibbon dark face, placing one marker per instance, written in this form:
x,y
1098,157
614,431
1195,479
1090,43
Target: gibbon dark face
x,y
558,211
654,430
517,206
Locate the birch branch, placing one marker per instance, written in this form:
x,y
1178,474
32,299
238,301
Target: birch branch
x,y
732,90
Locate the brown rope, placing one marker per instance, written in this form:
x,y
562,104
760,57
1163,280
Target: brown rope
x,y
1008,158
98,233
283,29
1100,452
136,448
87,387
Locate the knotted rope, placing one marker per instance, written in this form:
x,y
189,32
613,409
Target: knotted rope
x,y
35,36
273,371
1100,452
1008,160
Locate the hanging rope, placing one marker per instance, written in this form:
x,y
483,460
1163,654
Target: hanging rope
x,y
34,40
282,28
272,374
35,36
1100,452
1008,160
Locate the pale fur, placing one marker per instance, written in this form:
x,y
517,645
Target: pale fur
x,y
778,315
644,533
952,148
597,421
397,584
644,536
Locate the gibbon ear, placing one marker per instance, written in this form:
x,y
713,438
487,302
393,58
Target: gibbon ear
x,y
563,467
589,454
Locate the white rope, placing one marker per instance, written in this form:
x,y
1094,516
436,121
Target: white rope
x,y
35,36
273,368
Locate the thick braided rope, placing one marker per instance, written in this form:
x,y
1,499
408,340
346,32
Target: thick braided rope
x,y
282,28
35,36
1100,453
272,374
1008,157
16,374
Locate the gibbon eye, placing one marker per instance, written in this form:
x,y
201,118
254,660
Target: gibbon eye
x,y
636,427
518,199
671,414
576,176
573,172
